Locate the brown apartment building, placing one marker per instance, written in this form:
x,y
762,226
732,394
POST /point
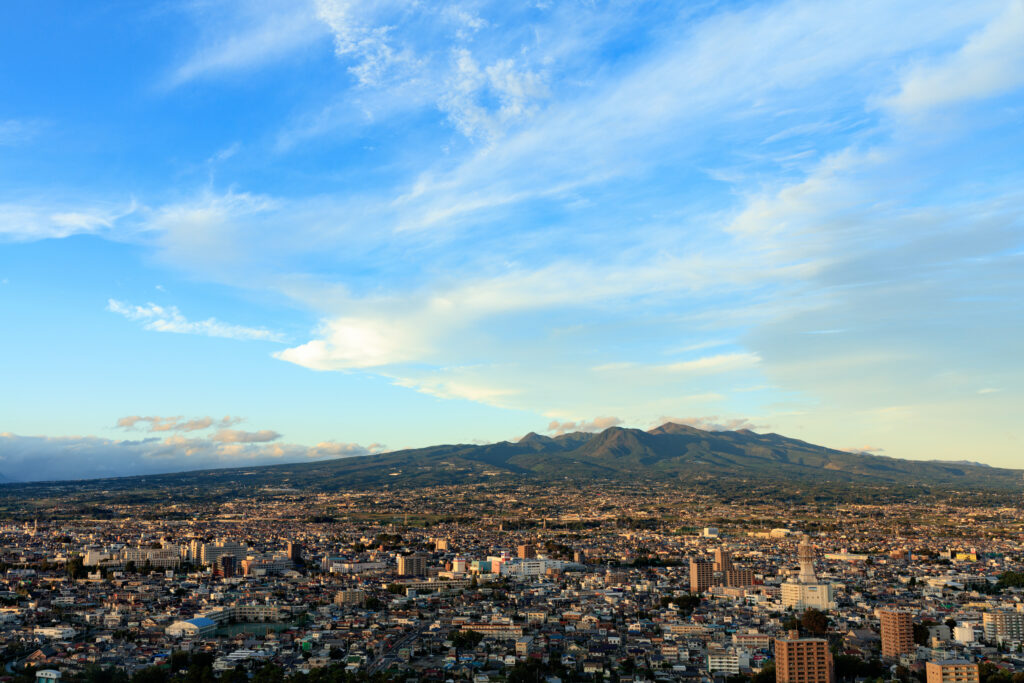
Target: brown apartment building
x,y
952,671
897,633
702,575
803,660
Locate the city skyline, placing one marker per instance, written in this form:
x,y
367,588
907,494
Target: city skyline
x,y
237,233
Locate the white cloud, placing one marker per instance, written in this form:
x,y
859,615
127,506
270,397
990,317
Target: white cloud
x,y
517,88
990,63
356,343
239,436
170,319
712,423
869,450
358,37
250,34
45,220
177,423
40,458
333,449
449,385
17,132
598,424
724,362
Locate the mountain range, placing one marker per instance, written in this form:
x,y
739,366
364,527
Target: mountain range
x,y
671,452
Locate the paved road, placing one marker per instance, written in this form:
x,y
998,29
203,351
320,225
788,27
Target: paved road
x,y
378,662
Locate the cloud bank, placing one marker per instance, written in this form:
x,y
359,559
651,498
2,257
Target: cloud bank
x,y
42,458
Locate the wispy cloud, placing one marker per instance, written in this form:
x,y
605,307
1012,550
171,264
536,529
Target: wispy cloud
x,y
723,362
990,63
18,132
597,424
713,423
235,37
176,423
42,458
170,319
42,219
239,436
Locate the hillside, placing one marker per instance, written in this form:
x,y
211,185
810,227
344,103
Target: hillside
x,y
671,452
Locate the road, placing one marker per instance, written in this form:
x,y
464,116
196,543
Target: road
x,y
408,638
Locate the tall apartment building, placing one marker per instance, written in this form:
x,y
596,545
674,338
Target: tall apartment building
x,y
702,575
294,552
1003,627
723,560
952,671
803,660
738,577
526,552
897,633
413,565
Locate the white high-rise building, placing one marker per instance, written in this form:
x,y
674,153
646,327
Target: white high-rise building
x,y
806,592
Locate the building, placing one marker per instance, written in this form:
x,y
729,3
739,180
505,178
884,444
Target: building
x,y
723,560
199,626
209,552
952,671
897,633
526,552
805,592
263,566
352,596
739,577
727,660
295,552
803,660
56,632
225,566
412,565
1003,627
702,575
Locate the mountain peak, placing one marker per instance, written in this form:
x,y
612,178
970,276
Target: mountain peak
x,y
676,428
535,438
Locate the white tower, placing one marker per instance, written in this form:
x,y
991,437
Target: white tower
x,y
805,553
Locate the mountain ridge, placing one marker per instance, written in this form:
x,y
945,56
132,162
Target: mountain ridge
x,y
669,452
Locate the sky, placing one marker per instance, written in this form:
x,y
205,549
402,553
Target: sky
x,y
238,232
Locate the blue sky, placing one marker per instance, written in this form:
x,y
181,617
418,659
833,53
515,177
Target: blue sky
x,y
237,232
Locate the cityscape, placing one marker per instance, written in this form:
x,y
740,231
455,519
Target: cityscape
x,y
517,582
477,341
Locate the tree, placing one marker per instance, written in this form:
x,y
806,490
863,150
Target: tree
x,y
270,673
465,640
76,568
921,632
765,675
814,621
